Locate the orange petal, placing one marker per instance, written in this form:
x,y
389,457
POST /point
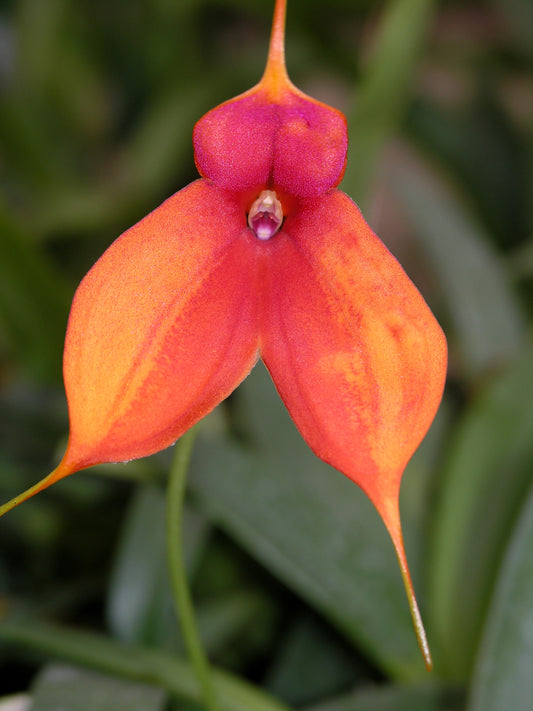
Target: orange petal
x,y
162,328
353,349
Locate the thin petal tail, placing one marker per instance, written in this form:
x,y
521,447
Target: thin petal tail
x,y
64,468
390,514
275,75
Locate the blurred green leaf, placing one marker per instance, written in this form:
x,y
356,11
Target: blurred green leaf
x,y
311,526
518,16
384,90
222,621
149,162
33,301
419,697
130,662
15,702
138,590
62,688
461,138
139,603
162,139
503,678
311,664
26,148
39,28
489,467
485,312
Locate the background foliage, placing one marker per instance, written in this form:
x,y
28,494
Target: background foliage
x,y
293,575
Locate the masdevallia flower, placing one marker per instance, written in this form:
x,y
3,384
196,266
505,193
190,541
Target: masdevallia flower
x,y
262,257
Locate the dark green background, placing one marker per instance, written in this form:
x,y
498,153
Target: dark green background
x,y
295,581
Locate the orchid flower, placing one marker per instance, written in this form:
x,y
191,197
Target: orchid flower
x,y
262,257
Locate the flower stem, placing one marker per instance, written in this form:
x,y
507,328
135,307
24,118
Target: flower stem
x,y
176,565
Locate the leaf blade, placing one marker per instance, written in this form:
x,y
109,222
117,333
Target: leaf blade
x,y
503,679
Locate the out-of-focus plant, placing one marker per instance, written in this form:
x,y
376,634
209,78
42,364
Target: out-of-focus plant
x,y
290,570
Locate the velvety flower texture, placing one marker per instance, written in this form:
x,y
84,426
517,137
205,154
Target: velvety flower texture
x,y
260,258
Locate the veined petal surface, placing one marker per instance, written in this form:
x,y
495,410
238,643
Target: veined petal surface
x,y
162,328
352,347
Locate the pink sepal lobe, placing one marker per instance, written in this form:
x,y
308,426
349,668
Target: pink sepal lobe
x,y
286,139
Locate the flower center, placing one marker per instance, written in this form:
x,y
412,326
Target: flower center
x,y
265,216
